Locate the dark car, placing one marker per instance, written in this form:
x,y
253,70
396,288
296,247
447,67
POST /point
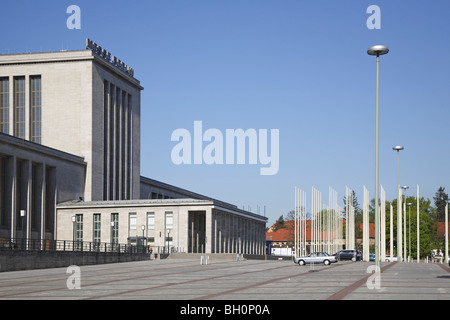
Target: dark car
x,y
353,255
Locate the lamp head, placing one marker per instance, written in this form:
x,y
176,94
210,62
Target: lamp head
x,y
398,148
377,50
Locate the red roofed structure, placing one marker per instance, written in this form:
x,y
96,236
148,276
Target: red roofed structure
x,y
285,236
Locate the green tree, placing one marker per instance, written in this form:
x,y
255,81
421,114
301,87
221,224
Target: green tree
x,y
279,224
440,201
354,201
428,239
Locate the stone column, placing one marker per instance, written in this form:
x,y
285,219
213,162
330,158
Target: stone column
x,y
209,230
11,177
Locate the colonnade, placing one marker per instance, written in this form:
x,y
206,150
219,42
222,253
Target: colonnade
x,y
233,233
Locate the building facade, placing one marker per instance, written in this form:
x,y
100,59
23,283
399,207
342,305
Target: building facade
x,y
174,225
77,102
70,162
33,180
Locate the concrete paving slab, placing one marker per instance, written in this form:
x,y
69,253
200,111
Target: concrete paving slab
x,y
250,280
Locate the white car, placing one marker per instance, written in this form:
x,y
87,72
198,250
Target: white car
x,y
388,259
316,257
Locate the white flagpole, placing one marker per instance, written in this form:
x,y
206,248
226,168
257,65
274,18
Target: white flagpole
x,y
399,226
418,227
383,226
446,234
391,230
295,222
365,224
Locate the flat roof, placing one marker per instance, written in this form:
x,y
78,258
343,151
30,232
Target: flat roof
x,y
65,56
39,148
79,204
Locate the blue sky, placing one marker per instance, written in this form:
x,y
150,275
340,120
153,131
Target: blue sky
x,y
297,66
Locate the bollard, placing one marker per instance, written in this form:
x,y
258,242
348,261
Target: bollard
x,y
204,260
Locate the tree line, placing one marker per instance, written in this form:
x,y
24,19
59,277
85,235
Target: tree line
x,y
430,217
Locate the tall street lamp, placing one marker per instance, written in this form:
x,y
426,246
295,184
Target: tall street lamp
x,y
399,216
377,51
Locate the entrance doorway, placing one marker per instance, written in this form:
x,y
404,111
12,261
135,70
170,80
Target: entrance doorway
x,y
197,232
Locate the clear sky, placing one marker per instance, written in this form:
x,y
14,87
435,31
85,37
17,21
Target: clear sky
x,y
294,65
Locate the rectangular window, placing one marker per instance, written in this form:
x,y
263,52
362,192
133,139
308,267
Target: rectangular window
x,y
129,147
4,105
112,103
97,228
132,220
169,220
117,149
105,139
79,230
150,221
123,159
19,107
114,228
35,109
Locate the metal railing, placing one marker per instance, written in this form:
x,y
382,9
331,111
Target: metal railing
x,y
68,245
165,249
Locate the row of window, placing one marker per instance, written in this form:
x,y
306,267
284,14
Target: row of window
x,y
19,106
117,148
114,234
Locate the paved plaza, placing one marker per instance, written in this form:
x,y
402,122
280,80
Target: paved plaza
x,y
258,280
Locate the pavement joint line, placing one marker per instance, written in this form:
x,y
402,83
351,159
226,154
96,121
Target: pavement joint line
x,y
347,290
113,266
229,280
104,282
259,284
65,276
444,267
181,283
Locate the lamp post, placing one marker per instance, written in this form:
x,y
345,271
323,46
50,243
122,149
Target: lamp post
x,y
377,51
404,224
143,242
399,216
74,219
22,216
112,235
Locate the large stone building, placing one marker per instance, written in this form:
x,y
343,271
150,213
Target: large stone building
x,y
77,102
70,162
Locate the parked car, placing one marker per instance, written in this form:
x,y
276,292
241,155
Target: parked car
x,y
371,256
353,255
316,257
388,258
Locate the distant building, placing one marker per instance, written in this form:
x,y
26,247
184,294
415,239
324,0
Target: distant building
x,y
285,236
